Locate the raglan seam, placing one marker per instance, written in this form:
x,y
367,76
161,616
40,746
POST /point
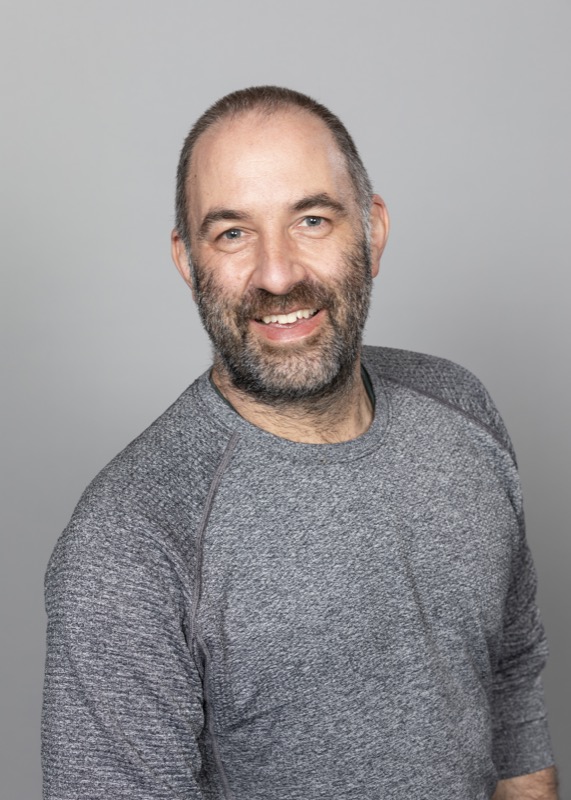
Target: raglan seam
x,y
215,482
210,718
457,409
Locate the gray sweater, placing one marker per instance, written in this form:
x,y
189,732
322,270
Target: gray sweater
x,y
234,615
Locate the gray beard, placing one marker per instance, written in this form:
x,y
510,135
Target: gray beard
x,y
296,373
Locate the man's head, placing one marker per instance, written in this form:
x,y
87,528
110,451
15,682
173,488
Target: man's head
x,y
275,216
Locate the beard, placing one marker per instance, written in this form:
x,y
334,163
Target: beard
x,y
286,373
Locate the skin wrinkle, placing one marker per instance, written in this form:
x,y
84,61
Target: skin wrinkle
x,y
322,200
541,785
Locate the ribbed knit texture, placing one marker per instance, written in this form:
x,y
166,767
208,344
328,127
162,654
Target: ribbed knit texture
x,y
234,615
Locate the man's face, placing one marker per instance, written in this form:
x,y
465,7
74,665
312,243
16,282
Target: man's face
x,y
282,272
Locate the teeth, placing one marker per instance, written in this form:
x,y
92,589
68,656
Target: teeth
x,y
287,319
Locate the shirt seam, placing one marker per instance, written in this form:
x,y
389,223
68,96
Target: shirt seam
x,y
457,409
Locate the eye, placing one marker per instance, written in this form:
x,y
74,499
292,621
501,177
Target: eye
x,y
314,226
313,222
231,240
232,234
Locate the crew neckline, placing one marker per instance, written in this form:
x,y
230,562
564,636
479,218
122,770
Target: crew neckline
x,y
217,407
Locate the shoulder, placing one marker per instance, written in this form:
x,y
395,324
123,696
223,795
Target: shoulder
x,y
143,508
441,380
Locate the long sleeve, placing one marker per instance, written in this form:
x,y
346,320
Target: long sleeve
x,y
521,741
123,709
521,737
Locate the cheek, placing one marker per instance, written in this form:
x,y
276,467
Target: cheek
x,y
324,257
228,272
217,301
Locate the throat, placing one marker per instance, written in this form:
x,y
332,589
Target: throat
x,y
340,417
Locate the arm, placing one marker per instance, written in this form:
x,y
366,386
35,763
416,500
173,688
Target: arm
x,y
540,785
522,746
123,711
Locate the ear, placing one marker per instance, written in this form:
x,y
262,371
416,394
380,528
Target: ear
x,y
380,225
180,257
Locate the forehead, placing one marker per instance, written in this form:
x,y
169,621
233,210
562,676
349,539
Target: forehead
x,y
255,160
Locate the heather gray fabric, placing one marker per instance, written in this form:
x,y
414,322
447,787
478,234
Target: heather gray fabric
x,y
233,615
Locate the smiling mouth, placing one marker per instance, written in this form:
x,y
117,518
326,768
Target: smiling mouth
x,y
289,319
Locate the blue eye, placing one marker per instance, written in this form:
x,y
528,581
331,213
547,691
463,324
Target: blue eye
x,y
232,234
313,222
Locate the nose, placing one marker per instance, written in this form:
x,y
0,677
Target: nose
x,y
277,268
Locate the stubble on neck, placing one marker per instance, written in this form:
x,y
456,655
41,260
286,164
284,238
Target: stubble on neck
x,y
332,418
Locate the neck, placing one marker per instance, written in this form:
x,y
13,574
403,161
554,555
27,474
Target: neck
x,y
338,418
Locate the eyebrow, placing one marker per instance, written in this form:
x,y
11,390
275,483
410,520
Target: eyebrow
x,y
217,214
321,200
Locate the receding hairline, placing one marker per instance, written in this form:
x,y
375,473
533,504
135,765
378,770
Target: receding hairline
x,y
266,102
236,115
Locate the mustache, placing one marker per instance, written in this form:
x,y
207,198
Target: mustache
x,y
259,303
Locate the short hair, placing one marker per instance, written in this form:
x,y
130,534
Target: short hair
x,y
269,100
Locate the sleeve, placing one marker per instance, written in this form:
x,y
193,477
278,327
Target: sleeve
x,y
521,742
520,732
123,710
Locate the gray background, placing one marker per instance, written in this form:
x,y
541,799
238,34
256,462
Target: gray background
x,y
461,112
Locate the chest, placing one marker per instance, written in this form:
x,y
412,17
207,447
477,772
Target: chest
x,y
366,569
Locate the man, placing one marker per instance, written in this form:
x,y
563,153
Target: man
x,y
309,578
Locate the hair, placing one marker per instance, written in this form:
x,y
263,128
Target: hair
x,y
269,100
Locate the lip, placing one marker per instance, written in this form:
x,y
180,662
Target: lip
x,y
293,332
